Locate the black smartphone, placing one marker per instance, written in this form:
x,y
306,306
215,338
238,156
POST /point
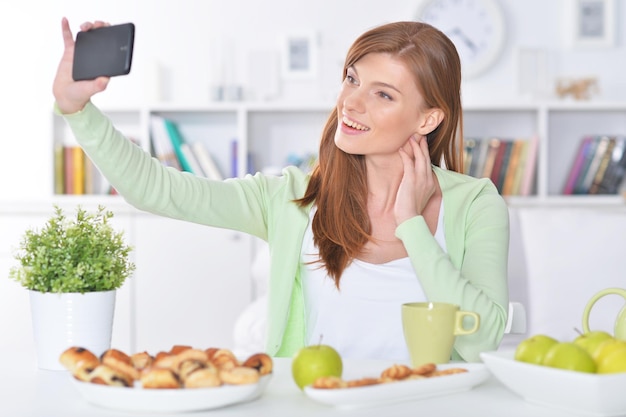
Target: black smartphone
x,y
105,51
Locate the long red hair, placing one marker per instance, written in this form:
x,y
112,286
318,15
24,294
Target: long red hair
x,y
338,187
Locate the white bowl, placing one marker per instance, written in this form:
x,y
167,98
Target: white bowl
x,y
578,392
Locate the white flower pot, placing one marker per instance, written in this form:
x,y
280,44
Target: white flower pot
x,y
70,319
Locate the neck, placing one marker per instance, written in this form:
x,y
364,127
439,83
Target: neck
x,y
382,185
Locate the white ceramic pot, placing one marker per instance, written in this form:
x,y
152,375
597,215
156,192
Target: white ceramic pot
x,y
70,319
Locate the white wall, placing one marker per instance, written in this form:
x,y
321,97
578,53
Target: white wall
x,y
179,37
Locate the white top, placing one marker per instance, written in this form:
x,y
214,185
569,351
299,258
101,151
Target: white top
x,y
362,320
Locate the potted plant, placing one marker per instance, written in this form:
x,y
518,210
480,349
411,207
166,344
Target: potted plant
x,y
72,268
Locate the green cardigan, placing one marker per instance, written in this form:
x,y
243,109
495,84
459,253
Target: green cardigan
x,y
472,274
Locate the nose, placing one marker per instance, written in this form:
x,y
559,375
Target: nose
x,y
353,100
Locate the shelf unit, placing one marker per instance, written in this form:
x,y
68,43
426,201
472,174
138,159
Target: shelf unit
x,y
186,270
270,134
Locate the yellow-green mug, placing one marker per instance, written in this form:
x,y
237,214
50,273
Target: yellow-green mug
x,y
430,329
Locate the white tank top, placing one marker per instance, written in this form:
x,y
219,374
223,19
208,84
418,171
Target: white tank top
x,y
362,320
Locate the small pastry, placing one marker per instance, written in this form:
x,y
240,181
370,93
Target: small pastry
x,y
425,369
159,378
189,354
79,361
120,361
83,372
449,371
203,378
211,351
176,349
329,382
239,375
224,359
141,360
363,382
165,360
396,372
262,362
190,366
106,375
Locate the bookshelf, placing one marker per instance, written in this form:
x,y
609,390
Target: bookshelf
x,y
178,262
268,136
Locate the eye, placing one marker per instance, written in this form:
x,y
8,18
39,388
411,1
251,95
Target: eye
x,y
350,79
385,95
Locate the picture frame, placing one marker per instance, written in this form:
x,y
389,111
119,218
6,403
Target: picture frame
x,y
299,56
593,23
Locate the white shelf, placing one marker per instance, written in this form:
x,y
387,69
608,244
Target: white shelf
x,y
271,132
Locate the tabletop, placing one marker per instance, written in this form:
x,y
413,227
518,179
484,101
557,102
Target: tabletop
x,y
30,392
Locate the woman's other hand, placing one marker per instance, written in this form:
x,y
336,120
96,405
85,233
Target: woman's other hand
x,y
71,96
418,183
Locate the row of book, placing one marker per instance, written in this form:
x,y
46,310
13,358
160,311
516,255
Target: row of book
x,y
598,167
74,173
169,146
509,163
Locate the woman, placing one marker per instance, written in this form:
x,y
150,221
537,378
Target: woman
x,y
377,223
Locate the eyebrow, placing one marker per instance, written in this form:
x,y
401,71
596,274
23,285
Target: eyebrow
x,y
378,83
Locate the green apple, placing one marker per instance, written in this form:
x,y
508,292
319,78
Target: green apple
x,y
607,347
614,362
533,349
312,362
591,340
570,356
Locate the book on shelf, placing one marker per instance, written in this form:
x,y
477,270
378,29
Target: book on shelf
x,y
577,165
530,166
161,143
615,170
490,158
192,160
479,155
206,162
174,150
177,143
506,157
602,144
604,159
512,168
588,155
598,166
234,158
516,181
73,169
468,151
509,163
59,169
75,173
497,165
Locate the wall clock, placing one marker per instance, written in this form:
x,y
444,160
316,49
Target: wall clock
x,y
475,26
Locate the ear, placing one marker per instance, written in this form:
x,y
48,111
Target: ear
x,y
430,121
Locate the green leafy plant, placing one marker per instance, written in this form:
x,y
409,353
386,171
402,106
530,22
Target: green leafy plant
x,y
82,254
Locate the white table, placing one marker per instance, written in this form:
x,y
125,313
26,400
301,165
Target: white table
x,y
28,391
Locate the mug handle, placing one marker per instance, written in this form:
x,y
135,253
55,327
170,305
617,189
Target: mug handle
x,y
458,327
593,300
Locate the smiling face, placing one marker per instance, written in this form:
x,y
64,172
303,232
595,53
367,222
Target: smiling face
x,y
379,107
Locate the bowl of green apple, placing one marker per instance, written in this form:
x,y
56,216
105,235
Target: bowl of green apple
x,y
585,375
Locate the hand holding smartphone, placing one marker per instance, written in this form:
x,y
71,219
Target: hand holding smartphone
x,y
105,51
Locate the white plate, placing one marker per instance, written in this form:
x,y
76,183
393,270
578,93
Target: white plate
x,y
577,392
169,400
394,392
